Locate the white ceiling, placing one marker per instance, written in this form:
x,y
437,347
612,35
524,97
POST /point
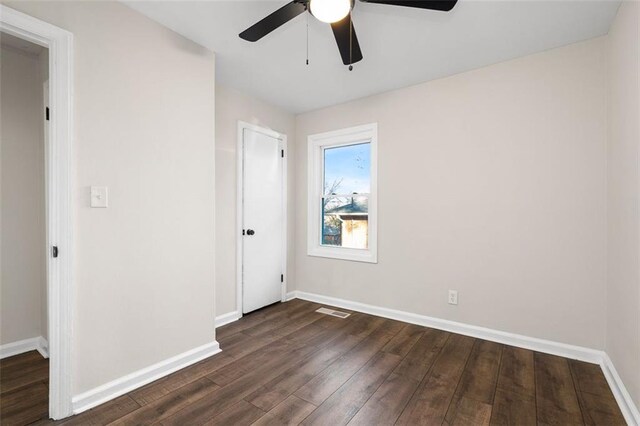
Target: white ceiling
x,y
401,46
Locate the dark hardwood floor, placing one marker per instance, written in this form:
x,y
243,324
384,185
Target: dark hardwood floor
x,y
287,364
24,389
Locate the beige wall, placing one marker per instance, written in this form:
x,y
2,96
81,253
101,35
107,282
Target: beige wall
x,y
22,205
492,183
144,127
232,106
623,292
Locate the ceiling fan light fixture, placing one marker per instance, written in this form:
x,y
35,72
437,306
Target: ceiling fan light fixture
x,y
330,11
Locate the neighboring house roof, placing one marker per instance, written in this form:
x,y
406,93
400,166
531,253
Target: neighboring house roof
x,y
355,207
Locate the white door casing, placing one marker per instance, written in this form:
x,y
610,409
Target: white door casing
x,y
262,217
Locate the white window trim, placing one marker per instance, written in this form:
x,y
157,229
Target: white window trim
x,y
316,145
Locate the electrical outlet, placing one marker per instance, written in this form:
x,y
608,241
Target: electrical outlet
x,y
453,297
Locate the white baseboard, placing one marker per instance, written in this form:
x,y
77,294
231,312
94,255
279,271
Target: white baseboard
x,y
139,378
227,318
43,347
16,348
526,342
627,406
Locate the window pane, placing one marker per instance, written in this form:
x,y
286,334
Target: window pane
x,y
347,169
345,222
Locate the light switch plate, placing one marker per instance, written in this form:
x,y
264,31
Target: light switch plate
x,y
99,197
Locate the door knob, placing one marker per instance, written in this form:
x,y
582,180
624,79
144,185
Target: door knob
x,y
250,232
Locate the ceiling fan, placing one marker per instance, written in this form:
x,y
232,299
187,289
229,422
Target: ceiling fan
x,y
338,14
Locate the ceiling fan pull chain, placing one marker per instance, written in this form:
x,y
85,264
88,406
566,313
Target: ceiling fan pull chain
x,y
350,43
307,39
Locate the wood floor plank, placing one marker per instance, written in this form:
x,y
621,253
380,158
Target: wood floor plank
x,y
240,414
168,404
479,379
599,411
556,399
247,353
294,320
392,327
328,381
241,344
343,404
278,389
44,422
387,403
597,403
219,400
515,400
402,343
24,376
364,325
589,378
317,336
25,405
253,319
471,412
241,366
160,388
420,358
359,326
16,362
430,402
291,411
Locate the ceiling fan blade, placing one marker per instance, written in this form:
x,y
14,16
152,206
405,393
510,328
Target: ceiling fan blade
x,y
443,5
273,21
348,46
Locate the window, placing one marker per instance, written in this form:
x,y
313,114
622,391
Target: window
x,y
342,216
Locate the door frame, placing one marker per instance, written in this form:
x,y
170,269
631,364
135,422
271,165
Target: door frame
x,y
242,126
59,198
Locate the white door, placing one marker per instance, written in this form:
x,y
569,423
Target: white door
x,y
262,220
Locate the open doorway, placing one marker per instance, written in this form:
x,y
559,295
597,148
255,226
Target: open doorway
x,y
46,164
24,319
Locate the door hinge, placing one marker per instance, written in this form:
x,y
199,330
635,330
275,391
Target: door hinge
x,y
54,251
282,153
281,278
46,113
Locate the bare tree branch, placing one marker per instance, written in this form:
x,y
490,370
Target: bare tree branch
x,y
331,189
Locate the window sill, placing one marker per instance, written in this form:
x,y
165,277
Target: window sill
x,y
354,255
